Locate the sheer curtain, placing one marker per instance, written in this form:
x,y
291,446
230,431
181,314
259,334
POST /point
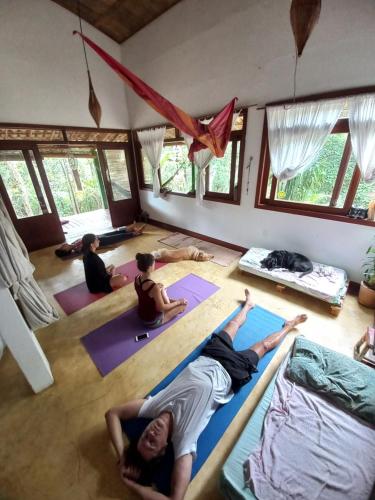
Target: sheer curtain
x,y
16,274
362,133
152,141
202,160
297,133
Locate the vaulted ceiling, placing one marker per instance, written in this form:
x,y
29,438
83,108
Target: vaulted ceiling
x,y
119,19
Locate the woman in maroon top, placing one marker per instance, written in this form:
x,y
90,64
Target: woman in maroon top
x,y
154,305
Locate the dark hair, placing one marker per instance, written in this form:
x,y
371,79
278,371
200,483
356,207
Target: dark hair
x,y
144,261
87,239
59,252
147,469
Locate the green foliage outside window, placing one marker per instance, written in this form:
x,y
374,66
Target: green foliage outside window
x,y
315,185
69,199
19,186
219,172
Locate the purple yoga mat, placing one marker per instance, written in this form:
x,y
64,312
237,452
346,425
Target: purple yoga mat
x,y
113,343
76,297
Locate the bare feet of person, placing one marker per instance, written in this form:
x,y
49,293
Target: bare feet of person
x,y
301,318
248,302
139,229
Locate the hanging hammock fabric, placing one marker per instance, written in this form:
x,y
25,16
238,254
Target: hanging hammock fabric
x,y
214,136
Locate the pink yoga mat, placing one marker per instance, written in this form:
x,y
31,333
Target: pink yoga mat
x,y
75,298
113,343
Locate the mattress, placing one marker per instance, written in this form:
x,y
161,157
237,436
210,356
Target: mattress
x,y
232,483
327,283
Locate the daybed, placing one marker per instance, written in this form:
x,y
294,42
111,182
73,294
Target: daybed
x,y
325,282
311,439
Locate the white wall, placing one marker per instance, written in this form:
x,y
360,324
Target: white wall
x,y
23,344
200,54
43,74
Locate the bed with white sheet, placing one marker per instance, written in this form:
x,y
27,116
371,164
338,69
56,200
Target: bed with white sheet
x,y
325,282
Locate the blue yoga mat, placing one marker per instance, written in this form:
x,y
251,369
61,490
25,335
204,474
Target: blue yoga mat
x,y
258,325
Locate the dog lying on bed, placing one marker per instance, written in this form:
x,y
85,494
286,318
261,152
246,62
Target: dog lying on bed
x,y
294,262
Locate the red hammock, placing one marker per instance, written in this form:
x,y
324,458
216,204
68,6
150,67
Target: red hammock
x,y
214,136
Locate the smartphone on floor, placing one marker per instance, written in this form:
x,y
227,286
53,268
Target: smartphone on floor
x,y
144,336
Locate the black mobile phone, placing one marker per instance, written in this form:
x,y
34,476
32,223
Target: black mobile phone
x,y
142,337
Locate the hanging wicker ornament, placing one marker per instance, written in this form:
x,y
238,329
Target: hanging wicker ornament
x,y
304,14
94,105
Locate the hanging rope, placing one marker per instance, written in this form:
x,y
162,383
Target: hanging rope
x,y
81,30
295,78
94,105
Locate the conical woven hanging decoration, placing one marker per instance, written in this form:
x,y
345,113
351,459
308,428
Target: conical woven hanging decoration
x,y
304,14
94,105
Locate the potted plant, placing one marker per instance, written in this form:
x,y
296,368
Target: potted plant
x,y
366,295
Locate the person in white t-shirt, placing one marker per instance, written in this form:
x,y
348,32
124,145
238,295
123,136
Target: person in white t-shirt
x,y
181,411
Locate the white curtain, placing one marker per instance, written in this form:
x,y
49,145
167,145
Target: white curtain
x,y
297,133
362,133
152,141
202,160
16,273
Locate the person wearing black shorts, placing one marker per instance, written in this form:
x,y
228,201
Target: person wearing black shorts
x,y
241,364
180,412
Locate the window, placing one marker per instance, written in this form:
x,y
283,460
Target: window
x,y
118,174
222,177
328,189
177,174
22,182
176,171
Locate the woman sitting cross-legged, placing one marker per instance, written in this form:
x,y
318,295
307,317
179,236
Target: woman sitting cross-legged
x,y
98,277
154,306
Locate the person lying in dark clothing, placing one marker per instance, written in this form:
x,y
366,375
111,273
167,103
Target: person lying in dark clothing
x,y
105,239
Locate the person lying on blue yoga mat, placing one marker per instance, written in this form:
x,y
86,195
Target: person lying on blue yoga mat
x,y
182,410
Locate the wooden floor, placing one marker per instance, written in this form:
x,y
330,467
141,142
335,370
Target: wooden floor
x,y
54,445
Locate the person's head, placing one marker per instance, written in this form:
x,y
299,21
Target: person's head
x,y
145,262
142,457
64,250
90,243
154,439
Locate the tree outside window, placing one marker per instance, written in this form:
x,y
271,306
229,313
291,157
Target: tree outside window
x,y
330,187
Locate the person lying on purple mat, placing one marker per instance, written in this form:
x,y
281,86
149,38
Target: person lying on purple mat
x,y
154,306
105,239
182,410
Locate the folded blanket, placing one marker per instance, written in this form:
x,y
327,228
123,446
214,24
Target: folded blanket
x,y
347,383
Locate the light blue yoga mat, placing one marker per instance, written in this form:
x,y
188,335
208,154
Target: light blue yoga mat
x,y
258,325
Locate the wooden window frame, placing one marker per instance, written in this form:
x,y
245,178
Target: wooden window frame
x,y
233,197
323,212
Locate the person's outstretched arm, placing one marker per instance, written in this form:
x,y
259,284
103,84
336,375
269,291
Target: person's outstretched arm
x,y
180,482
113,418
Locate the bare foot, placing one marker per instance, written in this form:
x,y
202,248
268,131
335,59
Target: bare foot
x,y
301,318
248,302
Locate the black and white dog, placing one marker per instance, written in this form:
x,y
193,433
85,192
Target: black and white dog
x,y
294,262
